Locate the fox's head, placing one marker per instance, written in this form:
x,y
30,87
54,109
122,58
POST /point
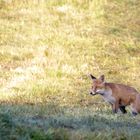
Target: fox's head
x,y
98,85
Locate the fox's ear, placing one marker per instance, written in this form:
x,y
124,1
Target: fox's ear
x,y
102,78
92,77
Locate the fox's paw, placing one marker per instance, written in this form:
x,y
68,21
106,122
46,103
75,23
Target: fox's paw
x,y
134,113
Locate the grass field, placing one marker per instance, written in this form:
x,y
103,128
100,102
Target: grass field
x,y
47,50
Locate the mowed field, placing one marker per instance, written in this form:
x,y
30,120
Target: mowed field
x,y
47,50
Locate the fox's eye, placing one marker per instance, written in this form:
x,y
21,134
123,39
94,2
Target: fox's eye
x,y
100,87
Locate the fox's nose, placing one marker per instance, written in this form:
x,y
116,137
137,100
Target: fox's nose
x,y
90,93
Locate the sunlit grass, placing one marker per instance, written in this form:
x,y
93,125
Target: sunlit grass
x,y
47,50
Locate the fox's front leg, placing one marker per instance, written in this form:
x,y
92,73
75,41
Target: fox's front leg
x,y
115,107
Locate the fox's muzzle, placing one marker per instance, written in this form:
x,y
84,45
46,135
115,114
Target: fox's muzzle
x,y
92,93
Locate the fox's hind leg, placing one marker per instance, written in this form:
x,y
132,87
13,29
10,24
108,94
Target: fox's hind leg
x,y
134,110
134,113
123,110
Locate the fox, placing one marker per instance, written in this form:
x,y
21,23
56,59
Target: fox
x,y
117,95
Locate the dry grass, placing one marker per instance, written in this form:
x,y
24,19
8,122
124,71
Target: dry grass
x,y
47,49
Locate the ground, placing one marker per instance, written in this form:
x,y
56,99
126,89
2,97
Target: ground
x,y
47,50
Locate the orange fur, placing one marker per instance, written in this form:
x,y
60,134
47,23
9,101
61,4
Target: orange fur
x,y
118,95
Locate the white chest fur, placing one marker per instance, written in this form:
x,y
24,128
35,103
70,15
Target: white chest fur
x,y
108,97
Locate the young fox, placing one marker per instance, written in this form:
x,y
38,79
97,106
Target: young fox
x,y
118,95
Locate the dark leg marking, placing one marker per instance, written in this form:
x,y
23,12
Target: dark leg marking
x,y
134,113
123,110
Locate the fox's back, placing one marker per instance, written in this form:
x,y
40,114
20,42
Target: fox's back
x,y
121,90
